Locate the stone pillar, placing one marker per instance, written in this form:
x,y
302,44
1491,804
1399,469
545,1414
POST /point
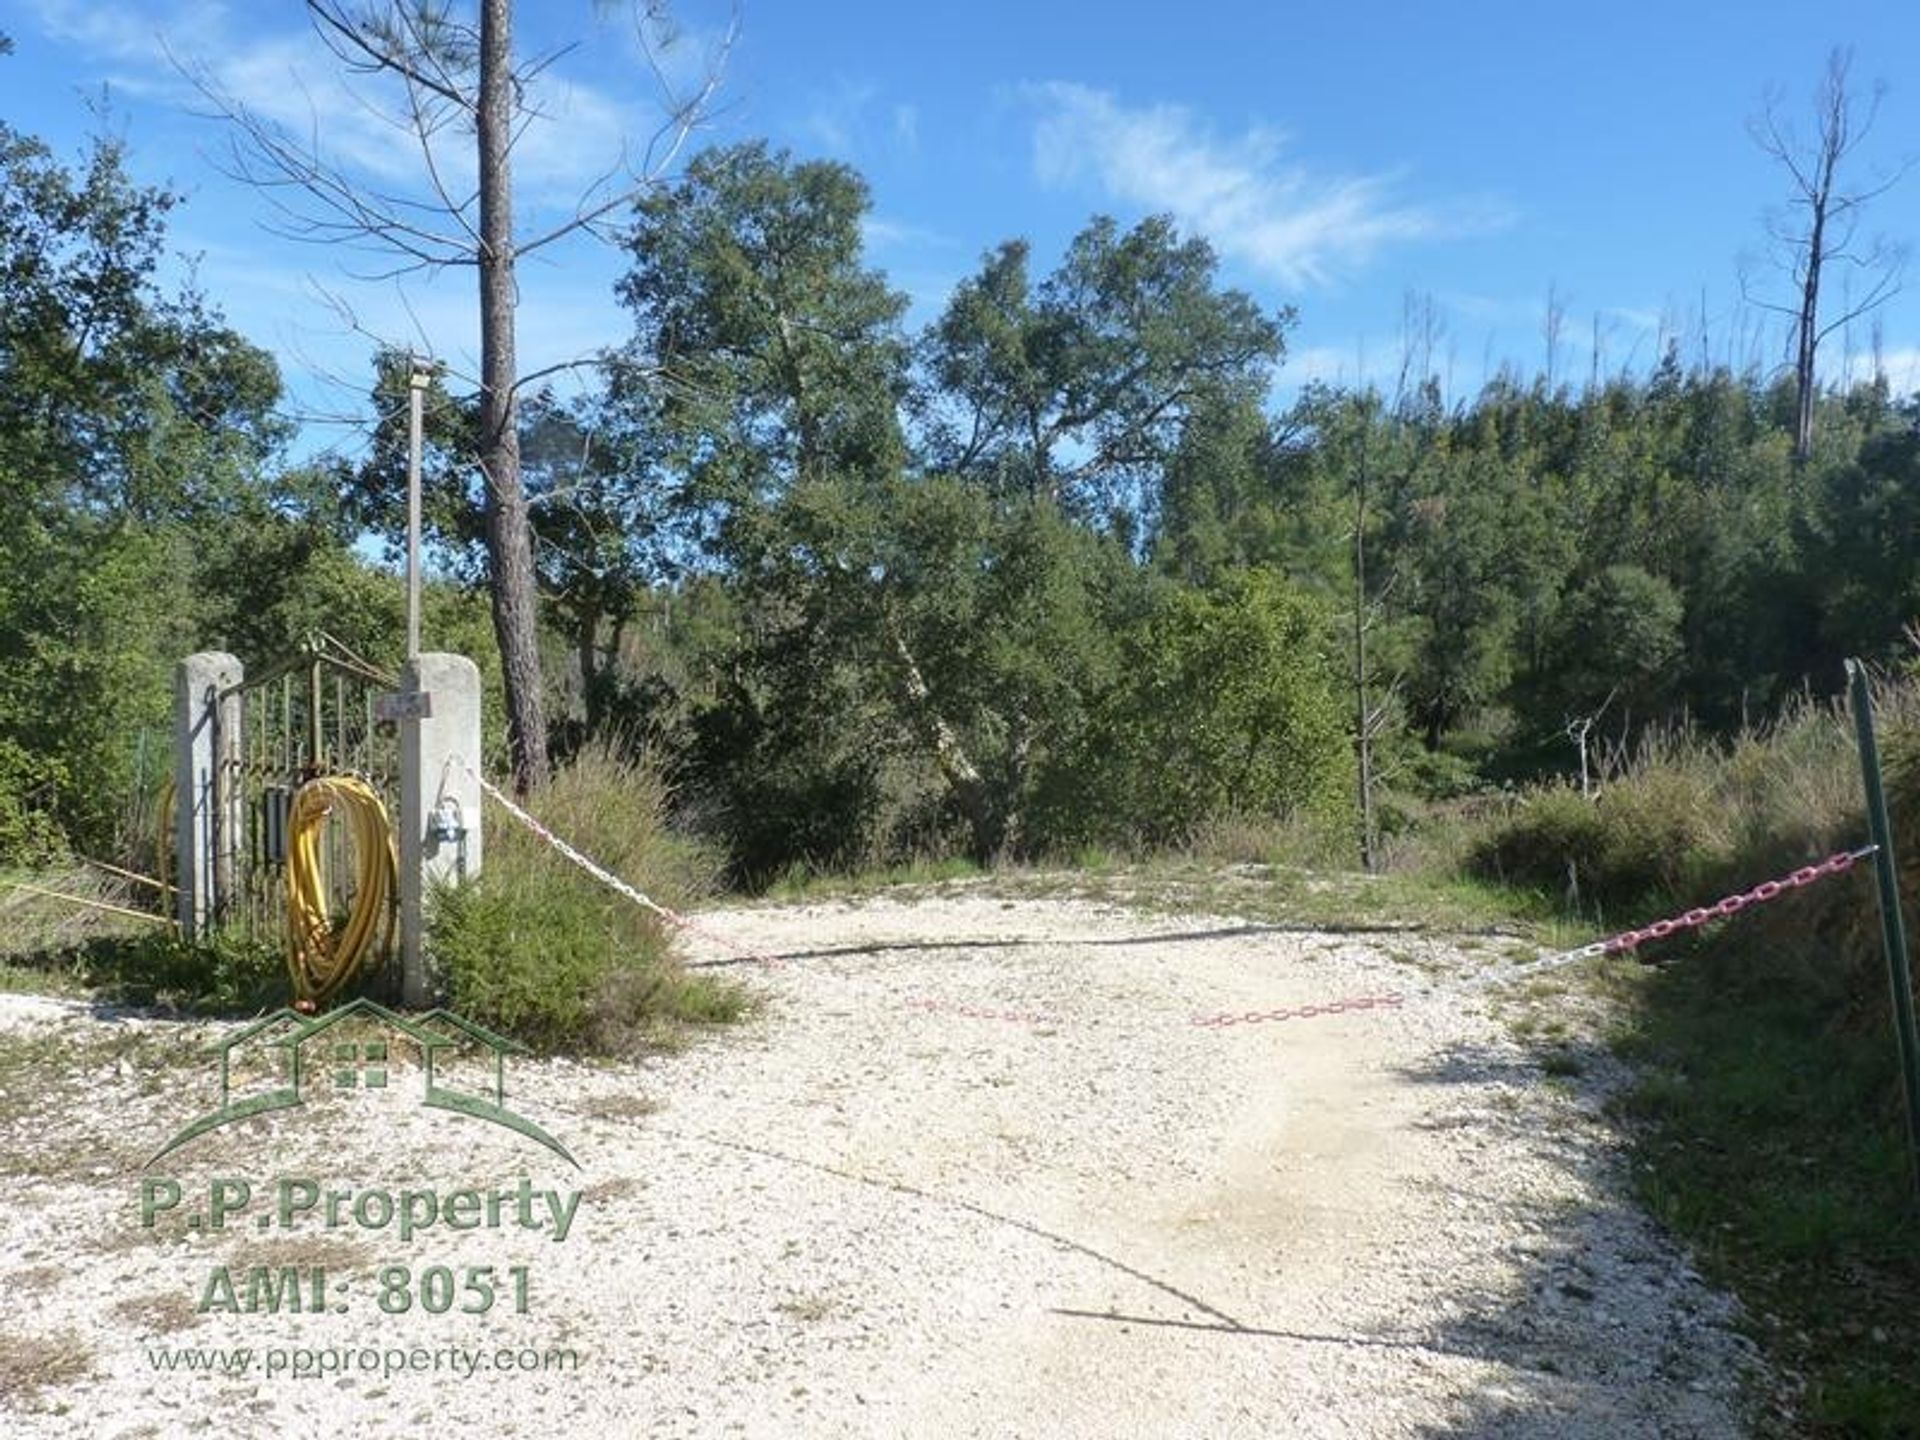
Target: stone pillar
x,y
439,799
208,810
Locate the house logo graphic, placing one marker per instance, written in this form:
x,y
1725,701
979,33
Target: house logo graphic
x,y
311,1058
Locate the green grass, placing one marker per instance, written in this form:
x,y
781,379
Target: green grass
x,y
1764,1117
1766,1138
55,947
45,935
27,978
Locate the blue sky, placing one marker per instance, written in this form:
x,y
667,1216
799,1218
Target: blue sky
x,y
1478,156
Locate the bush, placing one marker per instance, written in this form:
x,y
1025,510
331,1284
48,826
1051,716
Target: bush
x,y
539,950
1228,708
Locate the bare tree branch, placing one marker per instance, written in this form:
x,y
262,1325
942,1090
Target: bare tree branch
x,y
460,78
1829,208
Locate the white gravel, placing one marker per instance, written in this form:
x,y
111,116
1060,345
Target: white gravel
x,y
973,1172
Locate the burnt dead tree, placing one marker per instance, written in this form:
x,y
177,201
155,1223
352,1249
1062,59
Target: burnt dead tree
x,y
1817,231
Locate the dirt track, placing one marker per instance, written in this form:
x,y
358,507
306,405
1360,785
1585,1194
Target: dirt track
x,y
973,1173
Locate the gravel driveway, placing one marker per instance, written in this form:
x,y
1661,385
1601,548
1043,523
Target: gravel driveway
x,y
974,1171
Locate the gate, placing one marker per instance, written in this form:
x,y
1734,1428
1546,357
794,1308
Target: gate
x,y
314,714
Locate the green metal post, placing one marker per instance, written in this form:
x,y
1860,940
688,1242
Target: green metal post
x,y
1893,928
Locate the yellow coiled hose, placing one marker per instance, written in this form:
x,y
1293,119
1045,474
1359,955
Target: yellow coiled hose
x,y
322,962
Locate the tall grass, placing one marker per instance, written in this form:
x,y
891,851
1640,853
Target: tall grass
x,y
1768,1120
1680,814
540,950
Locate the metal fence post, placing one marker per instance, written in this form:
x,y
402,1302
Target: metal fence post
x,y
1892,926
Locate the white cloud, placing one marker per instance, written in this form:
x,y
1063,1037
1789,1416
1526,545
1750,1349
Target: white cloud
x,y
578,135
838,116
1300,228
1900,364
906,126
879,233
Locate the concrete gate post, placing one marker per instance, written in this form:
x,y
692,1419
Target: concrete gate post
x,y
208,815
440,840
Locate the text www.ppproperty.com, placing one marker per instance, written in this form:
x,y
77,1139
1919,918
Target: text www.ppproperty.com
x,y
303,1362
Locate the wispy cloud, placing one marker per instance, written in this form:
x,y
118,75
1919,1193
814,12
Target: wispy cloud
x,y
848,117
123,32
838,116
880,233
1255,206
283,74
906,126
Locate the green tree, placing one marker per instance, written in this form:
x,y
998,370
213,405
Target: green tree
x,y
128,416
1078,391
1229,704
1616,638
437,71
768,351
764,376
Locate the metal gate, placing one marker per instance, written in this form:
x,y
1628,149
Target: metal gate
x,y
313,714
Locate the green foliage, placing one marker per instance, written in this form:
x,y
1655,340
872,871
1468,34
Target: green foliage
x,y
1227,707
229,973
126,416
1641,843
802,769
749,289
1614,642
538,950
1080,389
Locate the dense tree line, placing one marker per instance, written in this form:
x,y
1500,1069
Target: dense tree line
x,y
1051,570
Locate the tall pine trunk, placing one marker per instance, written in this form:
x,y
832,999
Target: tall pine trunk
x,y
509,534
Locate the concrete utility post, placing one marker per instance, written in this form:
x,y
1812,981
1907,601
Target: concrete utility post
x,y
418,377
439,798
208,815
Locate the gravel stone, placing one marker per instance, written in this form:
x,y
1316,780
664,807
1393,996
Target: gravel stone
x,y
972,1171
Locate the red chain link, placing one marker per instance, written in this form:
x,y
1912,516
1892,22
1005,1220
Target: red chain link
x,y
1730,906
975,1012
1392,1000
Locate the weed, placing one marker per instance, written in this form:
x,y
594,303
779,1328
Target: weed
x,y
619,1107
32,1363
165,1313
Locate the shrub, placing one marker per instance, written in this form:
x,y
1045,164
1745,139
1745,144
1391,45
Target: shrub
x,y
539,950
1227,708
